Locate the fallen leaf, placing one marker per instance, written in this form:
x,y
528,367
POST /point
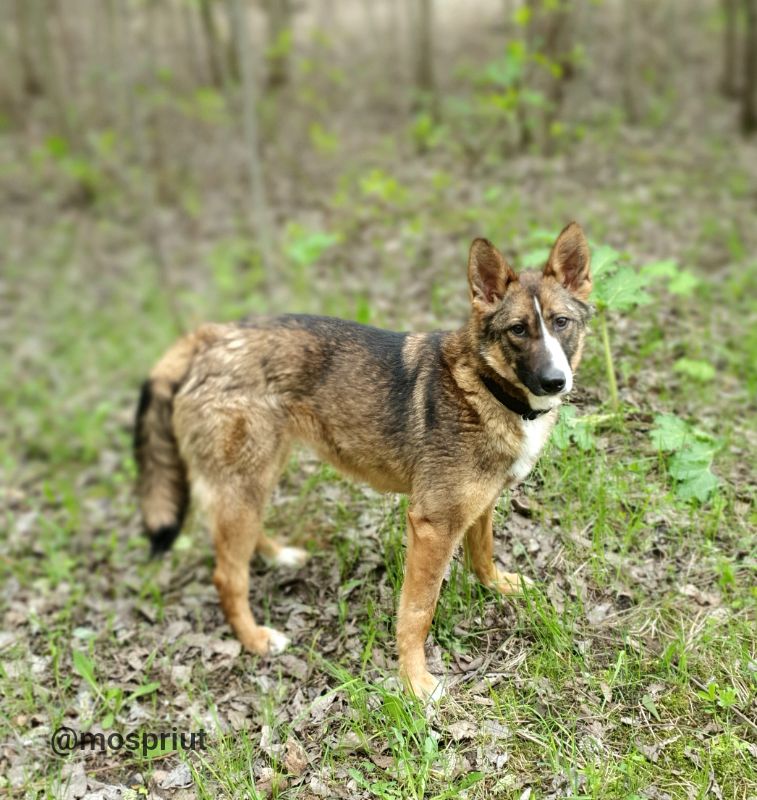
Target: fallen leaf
x,y
698,595
178,778
73,781
295,759
465,729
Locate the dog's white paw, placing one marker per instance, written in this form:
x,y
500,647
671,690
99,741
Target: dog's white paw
x,y
511,583
277,641
292,557
425,686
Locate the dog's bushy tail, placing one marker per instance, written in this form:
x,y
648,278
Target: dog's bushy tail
x,y
162,483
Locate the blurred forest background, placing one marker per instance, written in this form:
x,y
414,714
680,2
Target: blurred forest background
x,y
233,138
165,162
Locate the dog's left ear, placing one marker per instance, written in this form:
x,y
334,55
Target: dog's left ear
x,y
569,261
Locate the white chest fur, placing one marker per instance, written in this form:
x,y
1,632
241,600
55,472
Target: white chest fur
x,y
535,435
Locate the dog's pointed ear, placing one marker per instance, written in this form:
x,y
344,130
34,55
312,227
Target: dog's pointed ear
x,y
569,261
488,275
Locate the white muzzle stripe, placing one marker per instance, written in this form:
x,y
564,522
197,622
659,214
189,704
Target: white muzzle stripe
x,y
557,356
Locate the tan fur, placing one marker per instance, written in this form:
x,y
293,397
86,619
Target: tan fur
x,y
405,415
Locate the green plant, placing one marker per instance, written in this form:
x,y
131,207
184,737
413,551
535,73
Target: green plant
x,y
112,698
305,247
620,287
715,696
572,428
701,371
689,453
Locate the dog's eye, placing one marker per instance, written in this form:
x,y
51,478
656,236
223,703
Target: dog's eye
x,y
561,322
518,329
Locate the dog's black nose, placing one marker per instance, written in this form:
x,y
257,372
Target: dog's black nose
x,y
552,381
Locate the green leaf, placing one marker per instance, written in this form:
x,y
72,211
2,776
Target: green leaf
x,y
323,140
667,268
533,98
522,16
691,460
622,290
699,487
692,453
699,370
583,436
572,428
86,668
506,71
469,779
683,283
680,281
57,147
604,259
141,691
378,183
363,311
650,706
561,432
670,432
306,247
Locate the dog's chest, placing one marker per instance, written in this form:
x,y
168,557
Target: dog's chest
x,y
535,435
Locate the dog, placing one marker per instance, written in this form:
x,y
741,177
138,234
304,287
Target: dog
x,y
448,418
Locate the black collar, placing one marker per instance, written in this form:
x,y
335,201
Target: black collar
x,y
512,403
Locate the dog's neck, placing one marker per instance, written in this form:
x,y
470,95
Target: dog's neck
x,y
510,401
463,349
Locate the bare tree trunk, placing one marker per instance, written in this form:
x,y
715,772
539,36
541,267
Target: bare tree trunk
x,y
525,124
27,14
630,72
51,72
216,59
729,81
327,15
124,70
191,40
558,47
749,89
258,201
157,128
395,33
69,51
279,18
425,80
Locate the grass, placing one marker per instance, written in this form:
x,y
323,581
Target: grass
x,y
594,710
627,672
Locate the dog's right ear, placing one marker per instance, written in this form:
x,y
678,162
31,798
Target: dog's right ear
x,y
488,275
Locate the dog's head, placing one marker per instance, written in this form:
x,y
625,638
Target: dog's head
x,y
530,327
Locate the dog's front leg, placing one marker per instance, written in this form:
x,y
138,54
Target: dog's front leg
x,y
429,551
479,555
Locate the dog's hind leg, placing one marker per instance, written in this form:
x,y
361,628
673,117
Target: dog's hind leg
x,y
270,549
237,527
479,555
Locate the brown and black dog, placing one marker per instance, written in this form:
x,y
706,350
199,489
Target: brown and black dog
x,y
449,418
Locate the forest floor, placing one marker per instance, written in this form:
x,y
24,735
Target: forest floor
x,y
630,669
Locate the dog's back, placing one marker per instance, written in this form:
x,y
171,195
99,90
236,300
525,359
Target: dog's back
x,y
229,398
